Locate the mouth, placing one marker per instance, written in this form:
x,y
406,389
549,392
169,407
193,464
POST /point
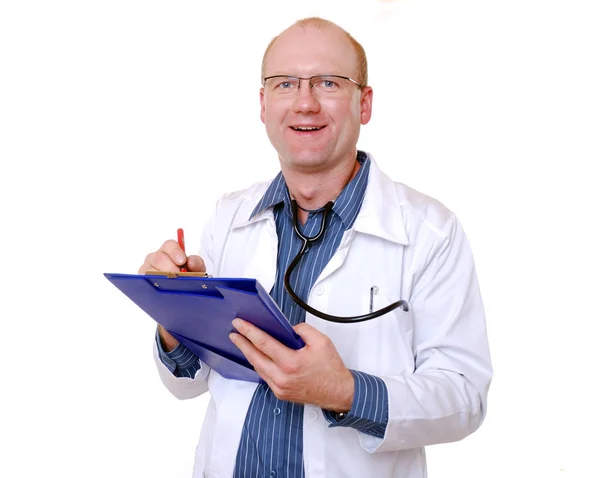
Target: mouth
x,y
307,129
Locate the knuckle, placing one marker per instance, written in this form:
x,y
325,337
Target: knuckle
x,y
147,265
170,248
324,341
283,383
169,245
279,387
261,344
277,391
289,366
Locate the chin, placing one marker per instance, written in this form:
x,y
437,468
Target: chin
x,y
307,159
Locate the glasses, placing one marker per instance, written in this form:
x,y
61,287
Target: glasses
x,y
321,85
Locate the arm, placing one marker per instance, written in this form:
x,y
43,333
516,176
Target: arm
x,y
179,369
445,399
177,358
183,387
369,411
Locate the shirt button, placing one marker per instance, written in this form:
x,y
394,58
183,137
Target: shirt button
x,y
313,415
276,411
319,290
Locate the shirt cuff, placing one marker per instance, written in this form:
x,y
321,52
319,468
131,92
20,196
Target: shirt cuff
x,y
180,361
369,412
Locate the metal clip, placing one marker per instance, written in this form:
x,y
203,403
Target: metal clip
x,y
374,292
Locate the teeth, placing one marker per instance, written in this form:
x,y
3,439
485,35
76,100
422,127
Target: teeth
x,y
306,128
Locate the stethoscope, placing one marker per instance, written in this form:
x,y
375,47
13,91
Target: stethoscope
x,y
308,240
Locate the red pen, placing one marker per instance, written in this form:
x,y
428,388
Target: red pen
x,y
181,242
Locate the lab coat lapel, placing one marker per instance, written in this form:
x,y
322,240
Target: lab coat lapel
x,y
379,204
261,244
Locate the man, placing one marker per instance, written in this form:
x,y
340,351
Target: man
x,y
361,399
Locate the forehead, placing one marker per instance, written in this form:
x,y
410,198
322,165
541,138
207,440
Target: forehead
x,y
306,51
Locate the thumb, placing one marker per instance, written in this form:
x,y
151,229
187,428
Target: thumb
x,y
308,333
195,264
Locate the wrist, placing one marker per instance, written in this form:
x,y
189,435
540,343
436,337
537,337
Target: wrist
x,y
346,395
167,341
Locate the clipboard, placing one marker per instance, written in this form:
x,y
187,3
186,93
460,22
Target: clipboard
x,y
198,310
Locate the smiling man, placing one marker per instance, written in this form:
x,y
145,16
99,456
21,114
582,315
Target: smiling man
x,y
385,298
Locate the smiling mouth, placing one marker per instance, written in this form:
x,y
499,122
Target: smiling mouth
x,y
307,128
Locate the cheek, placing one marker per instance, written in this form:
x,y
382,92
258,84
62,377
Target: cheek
x,y
344,113
272,115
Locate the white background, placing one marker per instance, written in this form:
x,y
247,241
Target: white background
x,y
121,121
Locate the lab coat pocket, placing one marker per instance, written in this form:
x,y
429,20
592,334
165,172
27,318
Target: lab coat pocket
x,y
395,321
385,342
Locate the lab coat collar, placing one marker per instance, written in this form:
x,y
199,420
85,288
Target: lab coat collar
x,y
381,202
252,197
346,205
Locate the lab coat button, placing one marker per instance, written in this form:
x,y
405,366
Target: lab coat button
x,y
273,473
319,290
276,411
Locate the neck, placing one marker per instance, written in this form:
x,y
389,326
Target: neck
x,y
313,190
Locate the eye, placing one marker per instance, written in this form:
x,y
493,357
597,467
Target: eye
x,y
326,84
285,84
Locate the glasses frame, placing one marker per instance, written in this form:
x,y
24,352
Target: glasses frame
x,y
310,78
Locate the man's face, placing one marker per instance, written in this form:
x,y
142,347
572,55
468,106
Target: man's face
x,y
305,52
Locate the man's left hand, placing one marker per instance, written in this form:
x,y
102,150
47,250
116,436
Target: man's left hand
x,y
315,374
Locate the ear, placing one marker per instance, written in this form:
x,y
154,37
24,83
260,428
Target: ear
x,y
262,105
366,104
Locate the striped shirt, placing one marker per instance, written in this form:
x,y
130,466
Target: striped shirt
x,y
271,441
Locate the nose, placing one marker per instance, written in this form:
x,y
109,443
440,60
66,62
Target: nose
x,y
305,100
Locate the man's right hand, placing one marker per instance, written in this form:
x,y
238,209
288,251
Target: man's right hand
x,y
169,258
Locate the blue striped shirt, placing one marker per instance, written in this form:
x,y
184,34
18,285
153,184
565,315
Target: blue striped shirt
x,y
271,441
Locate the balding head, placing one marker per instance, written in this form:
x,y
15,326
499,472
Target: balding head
x,y
320,24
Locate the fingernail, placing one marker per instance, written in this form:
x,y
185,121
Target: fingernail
x,y
232,337
236,323
180,259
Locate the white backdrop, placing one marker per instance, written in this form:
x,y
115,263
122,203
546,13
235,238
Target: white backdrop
x,y
121,121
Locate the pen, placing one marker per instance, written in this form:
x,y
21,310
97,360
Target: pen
x,y
181,242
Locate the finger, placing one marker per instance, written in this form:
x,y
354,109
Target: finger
x,y
174,252
158,261
196,264
263,342
308,333
263,365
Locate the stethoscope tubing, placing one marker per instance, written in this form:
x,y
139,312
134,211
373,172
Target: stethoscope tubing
x,y
305,242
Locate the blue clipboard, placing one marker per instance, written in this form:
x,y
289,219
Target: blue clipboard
x,y
198,312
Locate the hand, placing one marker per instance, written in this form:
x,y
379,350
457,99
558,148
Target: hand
x,y
314,374
169,258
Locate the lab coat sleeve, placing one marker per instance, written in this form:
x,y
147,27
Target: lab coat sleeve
x,y
445,399
183,387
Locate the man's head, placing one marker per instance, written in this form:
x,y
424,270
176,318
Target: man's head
x,y
314,127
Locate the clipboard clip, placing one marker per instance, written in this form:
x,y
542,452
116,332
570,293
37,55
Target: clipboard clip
x,y
174,275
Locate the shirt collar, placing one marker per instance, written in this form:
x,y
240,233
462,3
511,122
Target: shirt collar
x,y
346,205
275,194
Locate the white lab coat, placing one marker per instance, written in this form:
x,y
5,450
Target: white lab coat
x,y
434,359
